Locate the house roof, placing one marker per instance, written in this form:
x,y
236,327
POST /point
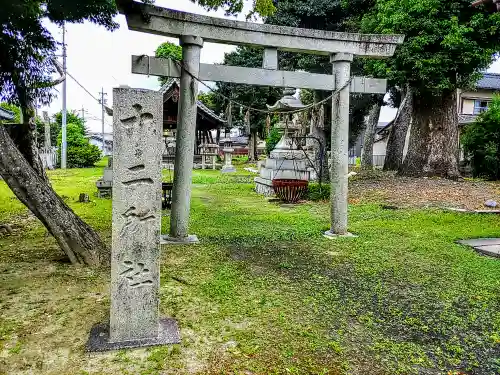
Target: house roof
x,y
108,137
491,5
489,81
174,81
6,115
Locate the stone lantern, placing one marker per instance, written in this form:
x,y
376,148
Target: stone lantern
x,y
228,150
286,161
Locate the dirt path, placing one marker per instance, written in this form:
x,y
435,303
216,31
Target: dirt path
x,y
423,192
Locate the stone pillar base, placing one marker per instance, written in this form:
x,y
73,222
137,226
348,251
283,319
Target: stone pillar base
x,y
168,334
331,236
168,240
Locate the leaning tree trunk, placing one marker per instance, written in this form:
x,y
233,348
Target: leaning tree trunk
x,y
369,138
30,184
24,137
433,148
397,135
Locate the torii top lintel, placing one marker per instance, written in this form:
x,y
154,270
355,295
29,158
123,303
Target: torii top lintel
x,y
163,21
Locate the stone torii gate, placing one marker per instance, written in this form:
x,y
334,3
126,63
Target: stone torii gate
x,y
134,317
192,30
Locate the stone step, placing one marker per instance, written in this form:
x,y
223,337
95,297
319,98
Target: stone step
x,y
286,164
288,154
287,174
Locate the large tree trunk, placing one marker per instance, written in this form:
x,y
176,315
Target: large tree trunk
x,y
217,136
397,135
369,138
252,146
318,131
433,148
31,186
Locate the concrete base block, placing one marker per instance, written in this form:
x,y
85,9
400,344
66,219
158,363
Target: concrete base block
x,y
228,169
283,164
331,236
167,240
168,334
264,186
287,154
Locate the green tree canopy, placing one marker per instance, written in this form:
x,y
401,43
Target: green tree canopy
x,y
446,43
209,99
252,96
261,7
168,50
481,142
72,117
331,15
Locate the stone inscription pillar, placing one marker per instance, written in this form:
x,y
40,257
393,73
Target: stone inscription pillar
x,y
135,275
185,142
136,214
340,145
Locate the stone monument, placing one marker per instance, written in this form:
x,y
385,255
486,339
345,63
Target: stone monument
x,y
105,184
286,161
135,276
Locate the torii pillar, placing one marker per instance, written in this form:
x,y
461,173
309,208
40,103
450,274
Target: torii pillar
x,y
340,146
185,142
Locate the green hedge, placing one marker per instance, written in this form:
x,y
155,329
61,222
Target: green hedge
x,y
315,192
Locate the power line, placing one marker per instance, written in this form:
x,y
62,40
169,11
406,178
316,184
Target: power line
x,y
83,87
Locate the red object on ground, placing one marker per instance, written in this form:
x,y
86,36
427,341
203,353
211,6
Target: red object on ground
x,y
290,191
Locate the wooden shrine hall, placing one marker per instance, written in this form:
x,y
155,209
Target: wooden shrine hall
x,y
206,122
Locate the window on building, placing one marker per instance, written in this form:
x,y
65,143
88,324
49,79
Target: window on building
x,y
480,106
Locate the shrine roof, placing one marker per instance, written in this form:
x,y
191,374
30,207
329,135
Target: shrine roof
x,y
167,89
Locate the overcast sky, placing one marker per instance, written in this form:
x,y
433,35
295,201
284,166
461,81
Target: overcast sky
x,y
99,59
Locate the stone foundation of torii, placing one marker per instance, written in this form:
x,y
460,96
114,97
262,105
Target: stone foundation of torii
x,y
134,316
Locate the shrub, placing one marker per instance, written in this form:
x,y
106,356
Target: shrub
x,y
481,142
80,153
83,156
315,192
272,140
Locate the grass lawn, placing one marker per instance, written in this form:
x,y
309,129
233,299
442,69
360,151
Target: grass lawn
x,y
263,292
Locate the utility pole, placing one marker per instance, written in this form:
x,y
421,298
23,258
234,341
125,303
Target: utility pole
x,y
46,120
102,102
47,143
63,127
83,114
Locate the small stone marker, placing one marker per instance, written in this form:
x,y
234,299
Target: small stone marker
x,y
84,198
105,184
5,229
135,277
491,203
